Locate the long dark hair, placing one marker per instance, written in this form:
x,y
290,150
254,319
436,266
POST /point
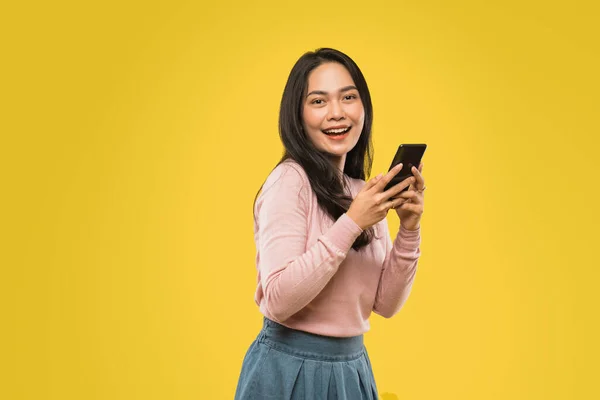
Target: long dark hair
x,y
322,174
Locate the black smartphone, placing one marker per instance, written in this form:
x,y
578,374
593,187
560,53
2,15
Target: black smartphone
x,y
408,155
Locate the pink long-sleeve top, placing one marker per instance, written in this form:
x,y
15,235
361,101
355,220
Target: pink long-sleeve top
x,y
309,277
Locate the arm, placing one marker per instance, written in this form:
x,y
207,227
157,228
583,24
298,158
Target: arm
x,y
398,272
291,276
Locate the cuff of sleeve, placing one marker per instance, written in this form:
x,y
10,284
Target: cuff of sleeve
x,y
408,239
343,233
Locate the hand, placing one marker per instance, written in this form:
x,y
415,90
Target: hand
x,y
411,209
372,204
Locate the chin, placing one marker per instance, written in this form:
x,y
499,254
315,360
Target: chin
x,y
340,149
337,152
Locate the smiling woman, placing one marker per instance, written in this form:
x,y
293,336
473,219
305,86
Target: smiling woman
x,y
333,113
324,257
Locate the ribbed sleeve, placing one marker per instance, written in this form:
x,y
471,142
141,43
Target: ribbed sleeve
x,y
291,276
399,269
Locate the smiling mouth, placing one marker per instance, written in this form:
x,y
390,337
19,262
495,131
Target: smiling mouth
x,y
336,132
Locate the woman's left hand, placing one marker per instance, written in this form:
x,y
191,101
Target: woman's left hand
x,y
411,210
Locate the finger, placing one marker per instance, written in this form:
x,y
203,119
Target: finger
x,y
371,182
412,207
421,167
389,205
388,177
395,203
398,188
408,194
412,197
399,202
420,181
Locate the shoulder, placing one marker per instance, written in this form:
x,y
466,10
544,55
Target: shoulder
x,y
288,172
287,179
289,169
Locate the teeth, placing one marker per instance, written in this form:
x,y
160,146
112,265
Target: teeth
x,y
337,130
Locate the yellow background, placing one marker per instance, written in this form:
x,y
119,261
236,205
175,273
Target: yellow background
x,y
135,136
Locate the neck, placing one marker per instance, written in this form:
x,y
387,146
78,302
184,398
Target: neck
x,y
339,163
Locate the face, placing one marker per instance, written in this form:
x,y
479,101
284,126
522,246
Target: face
x,y
333,114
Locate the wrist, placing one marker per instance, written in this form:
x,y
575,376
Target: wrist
x,y
411,227
356,220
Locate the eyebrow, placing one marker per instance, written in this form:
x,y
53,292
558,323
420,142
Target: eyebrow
x,y
324,93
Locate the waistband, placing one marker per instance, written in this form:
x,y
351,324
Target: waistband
x,y
309,345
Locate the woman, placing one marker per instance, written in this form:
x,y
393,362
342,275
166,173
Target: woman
x,y
324,256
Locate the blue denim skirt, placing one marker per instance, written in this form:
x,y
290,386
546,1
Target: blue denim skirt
x,y
284,363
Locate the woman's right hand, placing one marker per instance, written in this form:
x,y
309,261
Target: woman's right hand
x,y
372,204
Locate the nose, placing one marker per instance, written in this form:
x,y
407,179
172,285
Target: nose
x,y
336,111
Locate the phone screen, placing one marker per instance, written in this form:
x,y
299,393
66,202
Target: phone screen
x,y
409,155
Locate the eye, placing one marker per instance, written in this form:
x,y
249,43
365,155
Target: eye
x,y
350,97
317,101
